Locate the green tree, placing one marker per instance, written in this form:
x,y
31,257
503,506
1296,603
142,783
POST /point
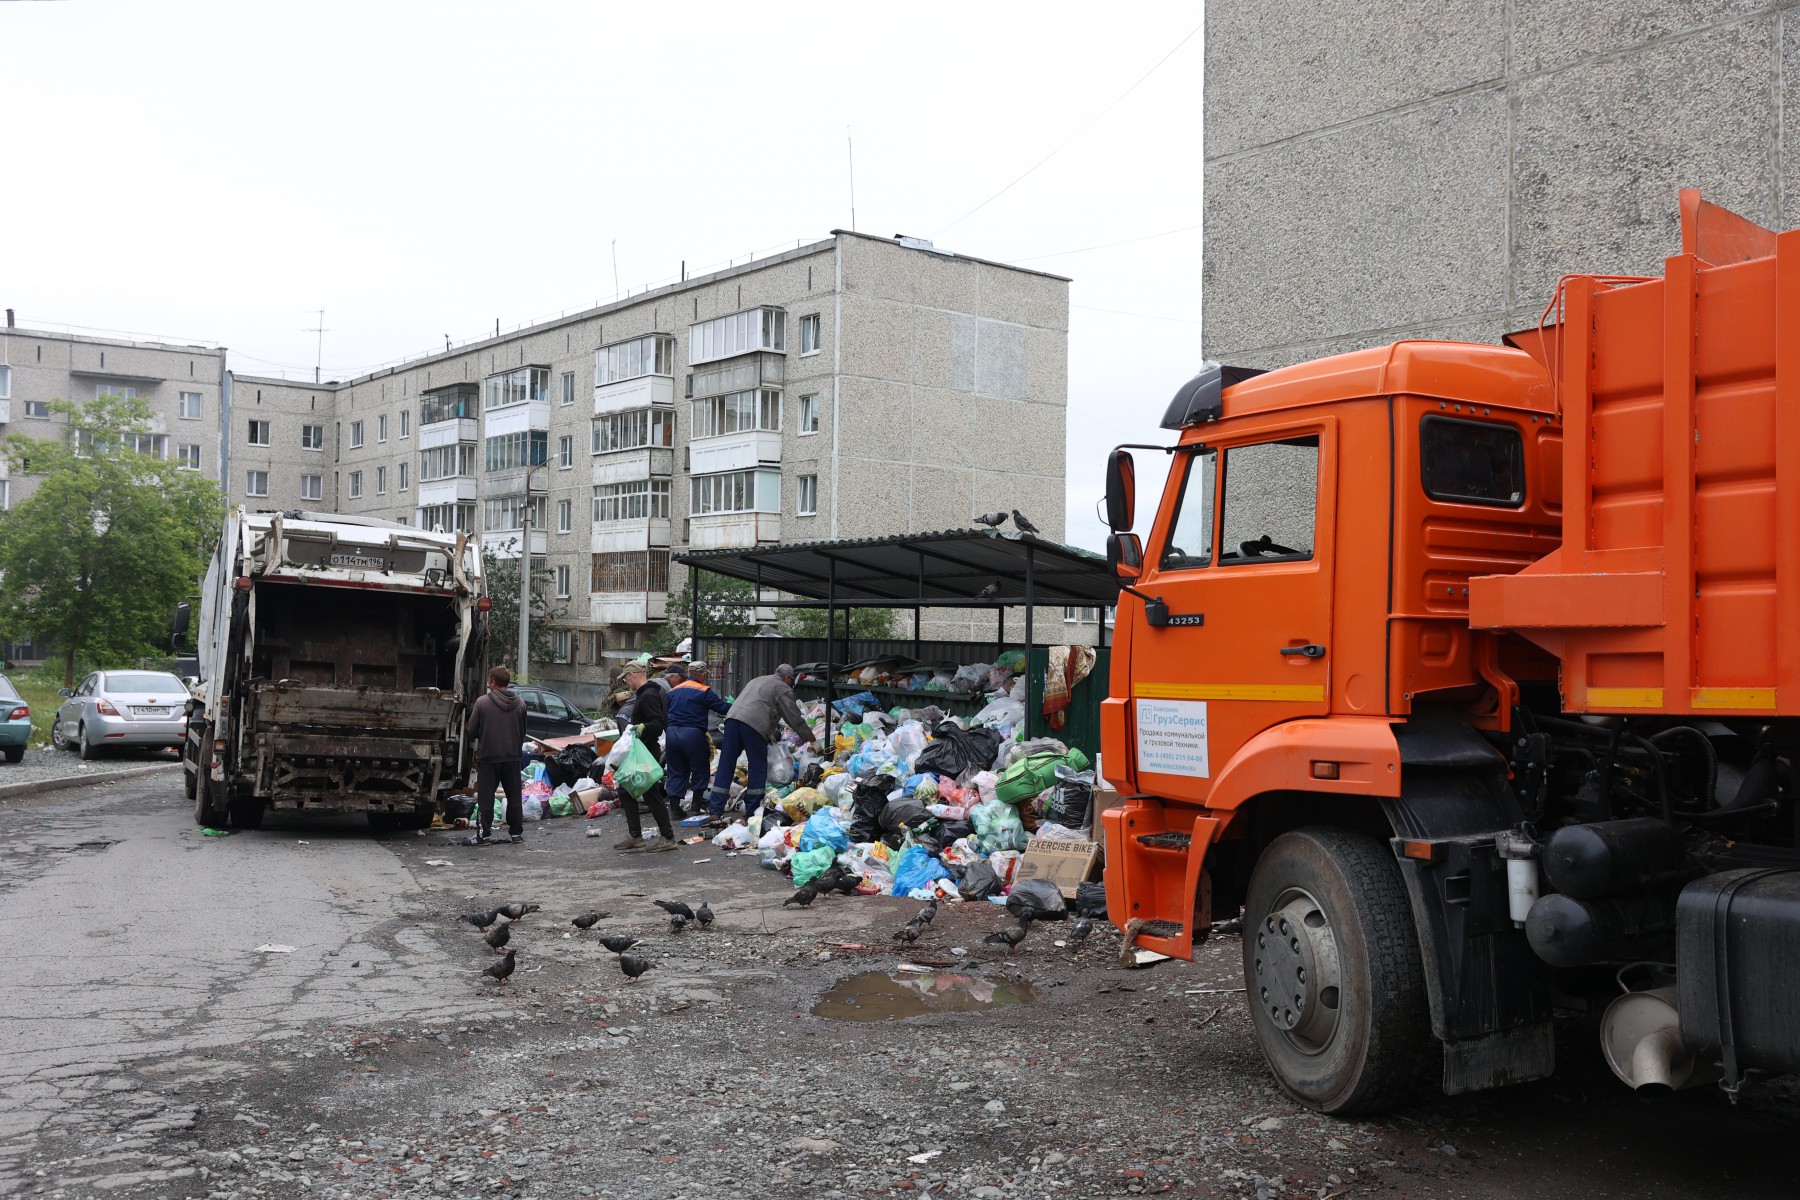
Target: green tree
x,y
722,613
500,576
865,623
95,560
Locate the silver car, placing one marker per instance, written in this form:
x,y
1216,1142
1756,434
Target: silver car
x,y
141,709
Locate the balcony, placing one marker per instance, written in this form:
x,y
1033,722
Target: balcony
x,y
5,412
733,531
733,451
496,484
458,488
518,418
496,542
448,433
623,466
633,608
740,375
642,392
618,536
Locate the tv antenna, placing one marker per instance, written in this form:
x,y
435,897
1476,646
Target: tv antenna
x,y
320,329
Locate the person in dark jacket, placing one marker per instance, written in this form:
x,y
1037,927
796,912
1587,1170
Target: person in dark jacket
x,y
691,703
497,726
753,723
647,710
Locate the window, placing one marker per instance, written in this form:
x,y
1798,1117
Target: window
x,y
156,445
406,422
653,355
187,456
562,581
737,412
5,382
735,491
356,438
809,334
449,404
527,384
1270,499
1470,462
403,480
36,408
191,408
381,481
508,512
808,503
565,517
447,462
632,430
638,500
381,428
565,452
259,433
5,498
356,485
1190,538
631,571
312,487
451,518
559,644
102,390
528,449
740,333
809,415
1081,616
568,395
312,437
256,483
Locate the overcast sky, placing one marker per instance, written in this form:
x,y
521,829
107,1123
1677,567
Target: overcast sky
x,y
198,171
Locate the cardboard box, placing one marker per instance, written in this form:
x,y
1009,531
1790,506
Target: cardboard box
x,y
1104,798
1065,864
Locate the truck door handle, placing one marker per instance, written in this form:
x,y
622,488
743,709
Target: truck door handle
x,y
1311,650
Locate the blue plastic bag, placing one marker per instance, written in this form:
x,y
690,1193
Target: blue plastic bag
x,y
916,868
856,705
824,829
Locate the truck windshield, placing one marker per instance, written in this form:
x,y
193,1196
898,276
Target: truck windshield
x,y
1190,536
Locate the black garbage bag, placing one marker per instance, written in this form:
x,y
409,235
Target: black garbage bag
x,y
570,764
1090,899
866,803
903,814
954,750
1036,900
458,806
1071,799
978,882
559,772
950,831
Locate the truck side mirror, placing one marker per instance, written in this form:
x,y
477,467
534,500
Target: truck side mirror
x,y
1125,555
1121,491
178,625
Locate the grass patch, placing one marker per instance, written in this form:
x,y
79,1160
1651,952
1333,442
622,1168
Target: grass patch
x,y
39,694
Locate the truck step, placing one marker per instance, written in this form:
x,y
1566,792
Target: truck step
x,y
1166,841
1161,929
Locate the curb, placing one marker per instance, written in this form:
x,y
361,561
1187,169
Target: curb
x,y
74,781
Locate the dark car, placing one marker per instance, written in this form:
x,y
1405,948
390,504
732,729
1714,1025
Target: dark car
x,y
548,715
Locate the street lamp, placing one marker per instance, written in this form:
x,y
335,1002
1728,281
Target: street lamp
x,y
525,575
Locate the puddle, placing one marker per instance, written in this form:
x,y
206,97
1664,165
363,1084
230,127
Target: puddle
x,y
896,995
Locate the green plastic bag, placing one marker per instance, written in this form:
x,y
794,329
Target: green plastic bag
x,y
810,864
1029,776
562,806
639,771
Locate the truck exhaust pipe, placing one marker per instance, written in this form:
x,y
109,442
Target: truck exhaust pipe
x,y
1641,1037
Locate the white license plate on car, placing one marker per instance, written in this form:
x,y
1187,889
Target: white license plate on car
x,y
149,710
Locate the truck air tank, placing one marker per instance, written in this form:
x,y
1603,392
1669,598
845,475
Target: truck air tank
x,y
1568,932
1609,857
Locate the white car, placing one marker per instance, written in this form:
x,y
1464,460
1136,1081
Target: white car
x,y
140,709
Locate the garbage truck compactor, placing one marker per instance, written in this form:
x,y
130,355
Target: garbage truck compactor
x,y
1472,674
339,657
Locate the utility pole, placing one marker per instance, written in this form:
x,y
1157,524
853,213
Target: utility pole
x,y
525,574
319,361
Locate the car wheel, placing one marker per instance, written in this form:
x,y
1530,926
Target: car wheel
x,y
14,753
58,738
89,752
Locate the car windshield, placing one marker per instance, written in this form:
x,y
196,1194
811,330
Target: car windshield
x,y
7,691
146,682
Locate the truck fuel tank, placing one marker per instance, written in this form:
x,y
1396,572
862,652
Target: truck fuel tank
x,y
1737,955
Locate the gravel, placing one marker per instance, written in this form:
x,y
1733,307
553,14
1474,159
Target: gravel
x,y
42,764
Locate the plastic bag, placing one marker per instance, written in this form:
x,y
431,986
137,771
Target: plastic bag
x,y
639,772
939,682
833,787
1050,831
1071,800
810,864
1036,900
802,803
823,829
970,677
856,705
915,869
983,783
906,742
1031,775
533,808
734,836
979,882
998,827
561,804
903,814
1090,899
867,800
1006,865
1006,712
620,748
781,768
954,750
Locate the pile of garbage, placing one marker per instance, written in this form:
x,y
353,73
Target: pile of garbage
x,y
1003,680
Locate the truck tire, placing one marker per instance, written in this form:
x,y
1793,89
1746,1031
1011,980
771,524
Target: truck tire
x,y
246,814
1333,974
209,809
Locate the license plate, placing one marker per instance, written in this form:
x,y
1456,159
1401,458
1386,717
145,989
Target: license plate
x,y
149,710
357,560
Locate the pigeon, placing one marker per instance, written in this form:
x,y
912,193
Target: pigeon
x,y
618,943
989,592
1009,937
1081,928
586,920
926,915
993,520
503,968
499,937
481,920
803,896
633,966
677,923
847,884
1023,523
676,908
704,914
908,934
516,911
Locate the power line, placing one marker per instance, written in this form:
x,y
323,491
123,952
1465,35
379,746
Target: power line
x,y
1079,130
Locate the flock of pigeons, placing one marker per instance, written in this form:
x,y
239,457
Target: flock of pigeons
x,y
497,935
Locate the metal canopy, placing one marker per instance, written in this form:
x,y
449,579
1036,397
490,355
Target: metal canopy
x,y
947,569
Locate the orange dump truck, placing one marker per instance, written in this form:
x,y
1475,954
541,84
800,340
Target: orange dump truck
x,y
1472,675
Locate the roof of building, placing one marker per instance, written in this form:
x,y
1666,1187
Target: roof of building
x,y
935,569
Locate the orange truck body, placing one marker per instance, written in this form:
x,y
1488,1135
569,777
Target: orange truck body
x,y
1647,573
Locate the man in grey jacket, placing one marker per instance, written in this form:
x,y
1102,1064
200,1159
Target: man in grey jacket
x,y
752,724
497,724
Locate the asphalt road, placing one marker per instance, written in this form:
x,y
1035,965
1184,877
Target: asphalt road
x,y
149,1048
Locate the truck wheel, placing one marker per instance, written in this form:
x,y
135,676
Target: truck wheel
x,y
209,806
246,814
1333,974
381,822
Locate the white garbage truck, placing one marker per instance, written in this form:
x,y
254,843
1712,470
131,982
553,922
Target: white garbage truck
x,y
338,659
